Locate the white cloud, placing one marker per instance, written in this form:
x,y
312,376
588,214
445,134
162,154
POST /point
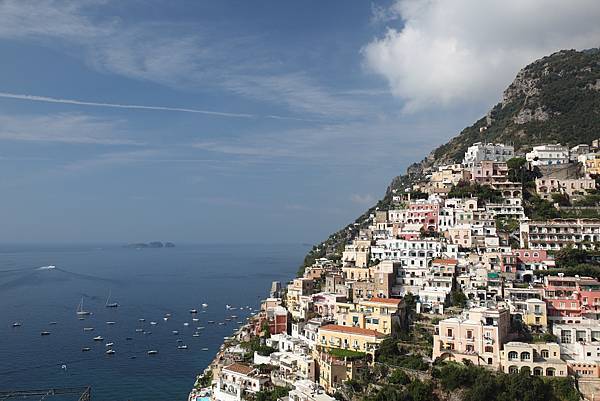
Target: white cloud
x,y
457,52
63,127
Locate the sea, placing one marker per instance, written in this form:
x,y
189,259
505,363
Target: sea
x,y
147,284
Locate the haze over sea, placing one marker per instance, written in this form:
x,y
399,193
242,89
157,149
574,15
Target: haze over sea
x,y
147,284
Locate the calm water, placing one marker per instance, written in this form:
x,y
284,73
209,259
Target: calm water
x,y
147,284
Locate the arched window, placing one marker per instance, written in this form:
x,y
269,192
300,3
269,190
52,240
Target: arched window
x,y
513,369
550,372
538,371
513,356
525,356
545,353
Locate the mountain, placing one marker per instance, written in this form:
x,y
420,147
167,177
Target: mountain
x,y
554,99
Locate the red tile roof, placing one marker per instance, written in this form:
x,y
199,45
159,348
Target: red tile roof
x,y
445,261
351,330
389,301
239,368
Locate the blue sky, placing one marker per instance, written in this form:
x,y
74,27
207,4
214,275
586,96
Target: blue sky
x,y
241,121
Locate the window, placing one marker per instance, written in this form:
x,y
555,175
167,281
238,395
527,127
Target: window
x,y
544,353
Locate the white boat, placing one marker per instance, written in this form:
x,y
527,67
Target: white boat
x,y
109,304
98,338
153,323
192,311
200,327
196,334
205,305
45,333
110,323
165,318
86,349
17,324
221,324
175,332
152,352
182,347
52,323
110,351
211,321
51,267
81,311
88,329
142,320
195,319
227,306
110,344
139,330
204,349
186,324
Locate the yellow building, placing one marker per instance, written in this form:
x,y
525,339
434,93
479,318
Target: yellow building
x,y
333,336
592,166
334,370
377,314
538,359
536,314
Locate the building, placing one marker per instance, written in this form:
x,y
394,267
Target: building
x,y
573,188
592,165
558,233
335,370
580,346
548,155
277,319
307,390
537,359
477,335
570,298
237,379
298,288
351,338
357,254
488,172
480,151
379,314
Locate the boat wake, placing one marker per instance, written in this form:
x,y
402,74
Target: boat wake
x,y
50,267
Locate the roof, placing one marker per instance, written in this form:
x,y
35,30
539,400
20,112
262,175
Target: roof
x,y
239,368
445,261
389,301
351,330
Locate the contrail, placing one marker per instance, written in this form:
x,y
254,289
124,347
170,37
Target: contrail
x,y
127,106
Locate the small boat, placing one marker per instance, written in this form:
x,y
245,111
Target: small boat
x,y
234,316
205,305
17,324
153,323
139,330
228,319
81,311
86,349
196,334
147,333
110,352
167,315
204,349
110,344
51,267
88,329
221,324
142,320
52,323
211,321
195,319
133,357
233,308
175,332
81,318
227,306
200,327
186,324
182,347
128,338
110,323
109,304
98,338
152,352
45,333
240,322
179,340
192,311
165,318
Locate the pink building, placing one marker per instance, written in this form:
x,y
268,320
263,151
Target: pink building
x,y
487,171
571,297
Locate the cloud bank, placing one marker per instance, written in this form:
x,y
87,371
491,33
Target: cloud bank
x,y
456,52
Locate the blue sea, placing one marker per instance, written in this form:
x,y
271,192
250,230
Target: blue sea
x,y
147,284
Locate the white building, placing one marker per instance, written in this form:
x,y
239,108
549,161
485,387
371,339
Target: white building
x,y
237,379
548,155
306,390
488,151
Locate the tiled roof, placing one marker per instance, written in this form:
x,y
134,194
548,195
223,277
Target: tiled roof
x,y
239,368
389,301
351,330
445,261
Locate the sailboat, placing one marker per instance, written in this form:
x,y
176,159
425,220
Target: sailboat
x,y
81,311
110,304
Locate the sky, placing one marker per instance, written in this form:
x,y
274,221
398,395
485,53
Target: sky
x,y
243,121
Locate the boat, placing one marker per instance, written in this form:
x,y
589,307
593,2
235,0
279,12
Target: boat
x,y
110,323
211,321
196,334
88,329
152,352
81,311
52,323
234,316
179,340
147,333
175,332
86,349
98,338
167,315
204,349
153,323
51,267
110,344
195,319
128,338
227,306
139,330
45,333
192,311
186,324
142,320
17,324
221,324
233,308
109,304
205,305
110,351
182,347
165,318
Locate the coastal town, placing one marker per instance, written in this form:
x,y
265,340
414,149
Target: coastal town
x,y
490,262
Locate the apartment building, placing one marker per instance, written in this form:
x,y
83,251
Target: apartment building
x,y
237,379
573,188
378,314
349,337
480,151
558,233
536,359
477,335
548,155
571,297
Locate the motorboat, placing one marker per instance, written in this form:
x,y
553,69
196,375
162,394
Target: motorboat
x,y
205,305
139,330
153,323
110,352
196,334
175,332
110,323
17,324
195,319
192,311
142,320
186,324
98,338
88,329
45,333
182,347
86,349
152,352
110,344
52,323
